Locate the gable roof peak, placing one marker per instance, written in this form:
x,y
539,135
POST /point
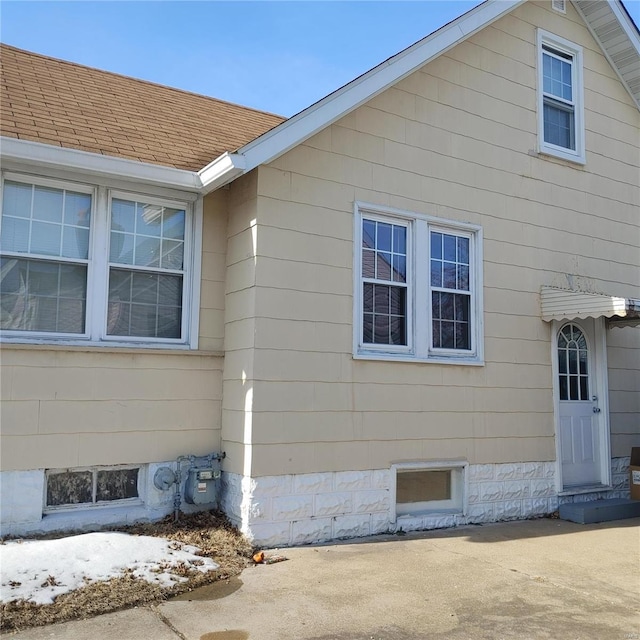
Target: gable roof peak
x,y
616,25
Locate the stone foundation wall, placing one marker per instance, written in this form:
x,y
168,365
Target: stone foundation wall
x,y
315,507
305,508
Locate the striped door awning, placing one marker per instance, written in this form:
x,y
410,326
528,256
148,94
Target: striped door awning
x,y
565,304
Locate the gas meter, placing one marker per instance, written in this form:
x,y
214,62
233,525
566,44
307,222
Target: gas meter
x,y
201,485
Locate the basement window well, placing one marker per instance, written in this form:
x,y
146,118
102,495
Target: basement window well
x,y
429,488
67,488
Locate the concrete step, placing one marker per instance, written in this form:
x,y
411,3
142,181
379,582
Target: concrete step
x,y
600,510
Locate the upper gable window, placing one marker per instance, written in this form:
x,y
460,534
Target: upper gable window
x,y
560,99
418,287
84,263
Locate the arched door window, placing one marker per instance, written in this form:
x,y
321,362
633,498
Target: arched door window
x,y
573,363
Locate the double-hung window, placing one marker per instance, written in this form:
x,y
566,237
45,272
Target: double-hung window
x,y
560,99
146,269
384,278
83,263
45,257
418,287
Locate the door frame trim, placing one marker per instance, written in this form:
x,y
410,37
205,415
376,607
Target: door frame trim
x,y
601,377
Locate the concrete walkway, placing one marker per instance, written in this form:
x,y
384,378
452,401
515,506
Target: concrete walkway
x,y
539,579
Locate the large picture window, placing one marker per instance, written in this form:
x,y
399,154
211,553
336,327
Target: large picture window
x,y
560,97
418,287
86,263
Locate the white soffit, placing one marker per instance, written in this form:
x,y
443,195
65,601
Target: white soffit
x,y
612,28
565,304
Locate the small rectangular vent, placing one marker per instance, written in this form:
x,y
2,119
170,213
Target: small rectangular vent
x,y
559,5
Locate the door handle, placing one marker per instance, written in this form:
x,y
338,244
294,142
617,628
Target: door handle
x,y
596,409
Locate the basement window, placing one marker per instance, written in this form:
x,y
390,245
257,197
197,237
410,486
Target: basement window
x,y
91,487
429,489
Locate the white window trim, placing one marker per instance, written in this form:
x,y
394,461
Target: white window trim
x,y
457,505
98,268
125,502
418,305
575,51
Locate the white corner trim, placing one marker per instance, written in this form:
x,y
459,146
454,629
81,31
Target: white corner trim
x,y
300,127
221,171
47,155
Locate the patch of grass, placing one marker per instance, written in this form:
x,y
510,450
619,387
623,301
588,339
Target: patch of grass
x,y
210,531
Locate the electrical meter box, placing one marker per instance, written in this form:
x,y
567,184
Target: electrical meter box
x,y
201,485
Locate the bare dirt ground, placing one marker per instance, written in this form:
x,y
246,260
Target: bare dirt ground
x,y
211,532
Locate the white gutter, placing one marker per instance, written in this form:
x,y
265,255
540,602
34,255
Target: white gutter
x,y
46,155
221,171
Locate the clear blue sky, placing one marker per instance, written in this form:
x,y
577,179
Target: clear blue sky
x,y
275,56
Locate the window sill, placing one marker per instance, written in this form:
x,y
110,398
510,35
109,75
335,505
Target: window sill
x,y
472,361
86,507
91,518
548,152
178,350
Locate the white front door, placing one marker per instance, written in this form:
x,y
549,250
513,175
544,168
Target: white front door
x,y
580,423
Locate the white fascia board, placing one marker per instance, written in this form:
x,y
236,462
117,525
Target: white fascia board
x,y
47,155
221,171
320,115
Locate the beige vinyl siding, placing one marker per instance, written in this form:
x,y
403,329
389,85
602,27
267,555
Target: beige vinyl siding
x,y
240,323
66,407
455,140
214,249
623,353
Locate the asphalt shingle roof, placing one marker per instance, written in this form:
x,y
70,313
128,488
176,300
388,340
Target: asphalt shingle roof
x,y
61,103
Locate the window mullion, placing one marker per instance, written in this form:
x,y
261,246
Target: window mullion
x,y
98,267
421,289
94,478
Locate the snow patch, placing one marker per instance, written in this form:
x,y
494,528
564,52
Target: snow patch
x,y
41,570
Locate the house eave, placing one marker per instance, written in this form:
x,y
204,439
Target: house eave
x,y
318,116
50,156
307,123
